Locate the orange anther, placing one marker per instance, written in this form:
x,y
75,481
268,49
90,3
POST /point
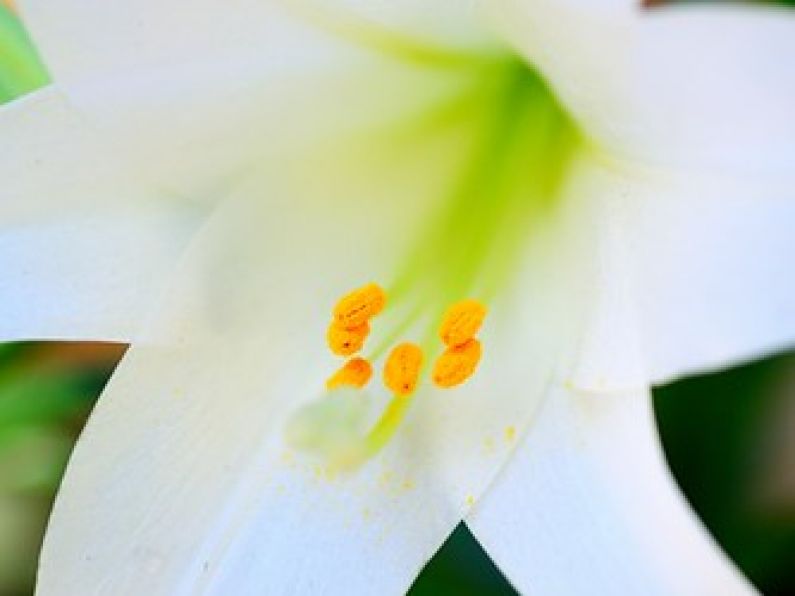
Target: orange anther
x,y
356,373
346,341
457,364
360,306
402,368
461,322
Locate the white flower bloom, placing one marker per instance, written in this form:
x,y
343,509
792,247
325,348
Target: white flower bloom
x,y
205,179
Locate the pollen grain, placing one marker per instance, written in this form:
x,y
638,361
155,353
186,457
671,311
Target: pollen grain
x,y
461,322
402,368
457,364
356,372
344,341
359,306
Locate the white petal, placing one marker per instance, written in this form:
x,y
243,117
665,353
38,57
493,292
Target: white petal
x,y
181,483
197,93
84,247
691,274
588,506
711,264
82,42
699,86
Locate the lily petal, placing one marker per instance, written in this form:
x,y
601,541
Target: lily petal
x,y
693,274
82,42
84,248
197,94
587,505
696,86
181,482
596,507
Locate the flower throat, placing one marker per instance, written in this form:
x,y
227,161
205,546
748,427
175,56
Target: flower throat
x,y
453,272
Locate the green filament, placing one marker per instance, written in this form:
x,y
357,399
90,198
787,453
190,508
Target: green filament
x,y
523,145
474,242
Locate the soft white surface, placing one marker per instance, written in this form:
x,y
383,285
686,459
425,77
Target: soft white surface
x,y
692,273
197,92
587,506
84,42
84,247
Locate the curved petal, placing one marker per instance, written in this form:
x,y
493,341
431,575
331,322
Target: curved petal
x,y
698,86
692,275
711,264
587,505
181,482
84,247
198,93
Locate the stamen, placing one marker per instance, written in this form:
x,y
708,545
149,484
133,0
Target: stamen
x,y
360,306
511,185
402,368
457,364
355,373
461,322
344,341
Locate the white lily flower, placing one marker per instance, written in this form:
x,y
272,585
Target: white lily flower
x,y
206,179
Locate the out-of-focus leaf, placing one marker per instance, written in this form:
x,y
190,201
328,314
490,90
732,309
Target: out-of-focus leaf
x,y
21,69
461,567
713,429
32,459
27,399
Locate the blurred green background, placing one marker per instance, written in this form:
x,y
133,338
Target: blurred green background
x,y
729,438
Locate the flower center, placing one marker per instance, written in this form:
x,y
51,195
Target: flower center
x,y
456,267
350,327
402,372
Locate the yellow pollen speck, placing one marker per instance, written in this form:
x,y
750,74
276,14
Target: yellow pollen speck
x,y
317,471
344,341
402,368
461,322
510,433
385,478
359,306
457,364
355,373
470,500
